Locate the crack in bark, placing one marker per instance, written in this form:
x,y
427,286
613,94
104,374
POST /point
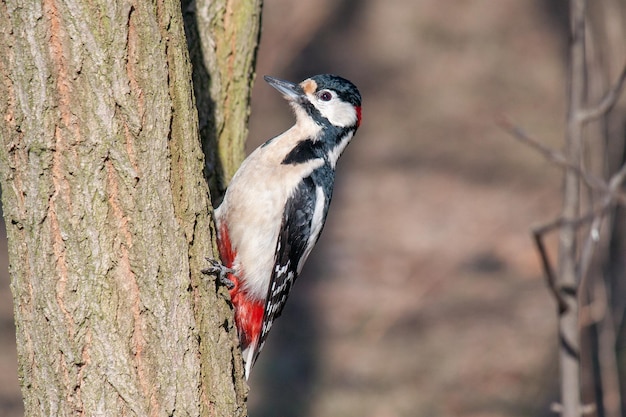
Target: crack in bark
x,y
129,281
61,187
58,246
85,358
131,56
57,54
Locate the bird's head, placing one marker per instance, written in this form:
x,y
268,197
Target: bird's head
x,y
324,98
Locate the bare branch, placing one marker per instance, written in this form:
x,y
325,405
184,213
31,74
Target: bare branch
x,y
520,134
593,237
575,261
607,102
547,266
591,242
550,154
558,158
617,179
538,234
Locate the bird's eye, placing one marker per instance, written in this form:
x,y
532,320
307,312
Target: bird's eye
x,y
325,95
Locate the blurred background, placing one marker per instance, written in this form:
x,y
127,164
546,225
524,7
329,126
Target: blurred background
x,y
424,296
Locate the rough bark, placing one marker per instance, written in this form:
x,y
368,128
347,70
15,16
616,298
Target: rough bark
x,y
107,214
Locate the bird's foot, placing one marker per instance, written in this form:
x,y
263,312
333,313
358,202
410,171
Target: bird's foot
x,y
221,272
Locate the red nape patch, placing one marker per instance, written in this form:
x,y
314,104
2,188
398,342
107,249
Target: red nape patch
x,y
358,116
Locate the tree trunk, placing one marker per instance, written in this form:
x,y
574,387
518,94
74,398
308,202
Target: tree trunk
x,y
223,61
107,212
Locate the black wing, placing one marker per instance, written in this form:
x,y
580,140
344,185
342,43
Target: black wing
x,y
293,240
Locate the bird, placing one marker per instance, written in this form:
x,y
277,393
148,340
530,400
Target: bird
x,y
276,204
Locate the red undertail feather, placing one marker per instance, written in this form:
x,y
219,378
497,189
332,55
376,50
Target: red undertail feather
x,y
248,313
225,247
248,316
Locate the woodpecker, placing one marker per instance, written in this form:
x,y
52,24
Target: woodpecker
x,y
276,204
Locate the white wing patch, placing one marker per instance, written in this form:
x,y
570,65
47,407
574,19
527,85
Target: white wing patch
x,y
317,222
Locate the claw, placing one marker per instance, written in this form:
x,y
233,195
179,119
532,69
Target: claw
x,y
220,271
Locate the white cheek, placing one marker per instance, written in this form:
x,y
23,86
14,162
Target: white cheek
x,y
339,113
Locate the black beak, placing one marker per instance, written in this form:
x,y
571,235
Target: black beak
x,y
291,91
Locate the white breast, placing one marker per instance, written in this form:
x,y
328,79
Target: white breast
x,y
253,208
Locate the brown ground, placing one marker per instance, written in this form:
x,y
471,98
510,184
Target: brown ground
x,y
424,296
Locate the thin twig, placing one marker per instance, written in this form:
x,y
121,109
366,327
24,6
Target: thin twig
x,y
538,234
586,255
561,160
548,271
550,154
607,102
617,179
615,182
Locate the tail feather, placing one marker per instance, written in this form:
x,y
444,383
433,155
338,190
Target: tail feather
x,y
248,358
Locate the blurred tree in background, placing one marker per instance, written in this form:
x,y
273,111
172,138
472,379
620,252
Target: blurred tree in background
x,y
588,285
